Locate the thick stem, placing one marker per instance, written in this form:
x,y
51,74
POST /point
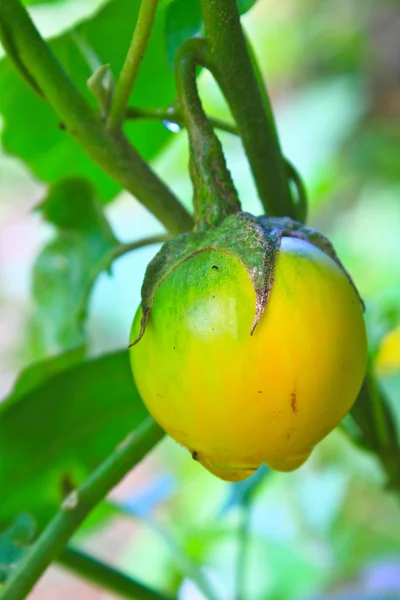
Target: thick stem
x,y
112,152
105,576
235,74
77,506
214,196
141,35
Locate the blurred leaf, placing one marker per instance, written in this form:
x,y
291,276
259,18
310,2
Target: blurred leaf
x,y
14,541
376,427
183,20
31,128
36,374
390,384
54,17
245,5
373,151
71,204
65,268
53,436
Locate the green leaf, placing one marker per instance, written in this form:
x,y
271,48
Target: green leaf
x,y
71,204
33,132
54,435
376,427
14,541
183,20
372,414
245,5
37,373
65,268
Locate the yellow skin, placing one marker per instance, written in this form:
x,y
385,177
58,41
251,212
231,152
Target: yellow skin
x,y
236,400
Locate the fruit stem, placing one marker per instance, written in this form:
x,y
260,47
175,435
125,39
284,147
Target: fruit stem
x,y
214,194
111,152
174,115
77,506
236,76
137,48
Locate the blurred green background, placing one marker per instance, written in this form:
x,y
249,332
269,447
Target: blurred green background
x,y
330,529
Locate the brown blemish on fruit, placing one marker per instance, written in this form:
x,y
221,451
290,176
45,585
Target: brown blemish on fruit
x,y
215,267
195,455
293,400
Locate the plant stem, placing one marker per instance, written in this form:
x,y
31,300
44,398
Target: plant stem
x,y
186,566
122,249
242,557
174,115
123,89
111,151
214,193
301,204
77,506
107,261
235,74
105,576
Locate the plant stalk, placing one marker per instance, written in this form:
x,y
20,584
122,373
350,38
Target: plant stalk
x,y
137,48
114,254
76,508
233,69
243,551
105,576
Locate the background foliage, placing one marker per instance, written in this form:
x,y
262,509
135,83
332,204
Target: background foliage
x,y
327,530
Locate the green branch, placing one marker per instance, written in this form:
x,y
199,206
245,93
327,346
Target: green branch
x,y
174,115
111,152
77,506
122,249
105,576
232,67
123,89
106,263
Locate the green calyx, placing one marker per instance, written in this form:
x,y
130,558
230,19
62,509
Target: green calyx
x,y
252,241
